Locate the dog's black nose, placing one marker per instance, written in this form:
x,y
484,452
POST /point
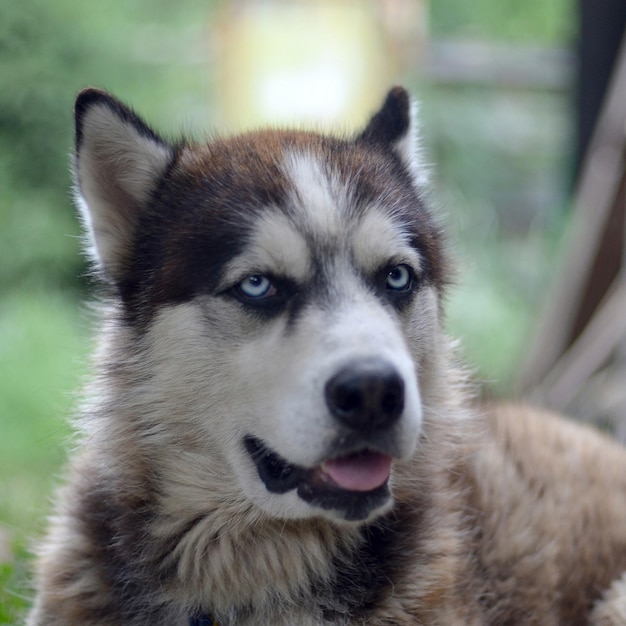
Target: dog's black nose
x,y
366,395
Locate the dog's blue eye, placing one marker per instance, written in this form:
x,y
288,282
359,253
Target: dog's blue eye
x,y
256,287
399,278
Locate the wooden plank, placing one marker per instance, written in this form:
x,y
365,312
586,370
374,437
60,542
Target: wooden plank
x,y
482,63
589,353
597,199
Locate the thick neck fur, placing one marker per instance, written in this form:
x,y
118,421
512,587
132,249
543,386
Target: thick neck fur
x,y
211,551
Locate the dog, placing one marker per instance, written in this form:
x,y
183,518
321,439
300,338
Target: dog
x,y
278,431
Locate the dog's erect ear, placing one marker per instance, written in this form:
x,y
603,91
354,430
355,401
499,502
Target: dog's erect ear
x,y
395,126
118,161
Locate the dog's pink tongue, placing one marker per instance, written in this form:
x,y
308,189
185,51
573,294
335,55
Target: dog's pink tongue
x,y
363,471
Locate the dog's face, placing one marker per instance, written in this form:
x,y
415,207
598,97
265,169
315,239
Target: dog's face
x,y
283,290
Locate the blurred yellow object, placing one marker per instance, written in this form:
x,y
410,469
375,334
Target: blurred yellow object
x,y
303,62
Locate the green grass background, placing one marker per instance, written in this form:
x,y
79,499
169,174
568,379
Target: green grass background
x,y
42,348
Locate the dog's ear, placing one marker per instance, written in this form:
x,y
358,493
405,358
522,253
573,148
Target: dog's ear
x,y
118,161
395,126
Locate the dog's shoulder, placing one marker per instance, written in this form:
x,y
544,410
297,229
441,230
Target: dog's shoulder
x,y
544,446
548,497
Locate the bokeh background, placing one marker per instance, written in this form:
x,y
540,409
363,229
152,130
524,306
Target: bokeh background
x,y
497,82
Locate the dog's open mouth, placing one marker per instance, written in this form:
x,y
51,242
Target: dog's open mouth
x,y
360,471
354,484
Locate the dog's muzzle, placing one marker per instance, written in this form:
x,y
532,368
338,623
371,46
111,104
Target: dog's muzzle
x,y
366,398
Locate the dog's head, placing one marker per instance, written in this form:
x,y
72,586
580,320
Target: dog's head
x,y
282,289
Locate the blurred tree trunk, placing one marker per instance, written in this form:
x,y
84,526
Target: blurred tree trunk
x,y
601,30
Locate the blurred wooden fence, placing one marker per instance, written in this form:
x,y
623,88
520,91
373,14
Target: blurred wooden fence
x,y
577,362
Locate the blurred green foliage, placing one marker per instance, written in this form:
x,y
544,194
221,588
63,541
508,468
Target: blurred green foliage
x,y
40,53
536,22
502,159
42,355
48,51
501,179
14,597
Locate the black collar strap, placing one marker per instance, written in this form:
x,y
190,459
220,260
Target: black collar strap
x,y
203,620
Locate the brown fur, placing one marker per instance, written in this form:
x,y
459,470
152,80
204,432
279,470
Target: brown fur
x,y
503,515
521,523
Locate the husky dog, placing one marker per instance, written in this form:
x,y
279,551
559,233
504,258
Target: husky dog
x,y
277,433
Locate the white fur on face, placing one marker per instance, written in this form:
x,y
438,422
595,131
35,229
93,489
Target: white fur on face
x,y
223,374
317,198
377,240
217,390
276,247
